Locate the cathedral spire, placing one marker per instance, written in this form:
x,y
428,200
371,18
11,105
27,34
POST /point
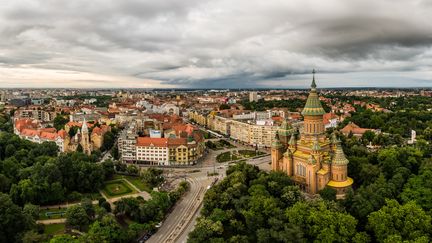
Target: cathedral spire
x,y
276,143
84,128
339,155
313,85
313,105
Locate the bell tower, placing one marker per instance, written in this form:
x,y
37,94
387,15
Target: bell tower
x,y
313,116
85,139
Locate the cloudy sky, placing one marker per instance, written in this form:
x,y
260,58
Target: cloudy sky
x,y
215,43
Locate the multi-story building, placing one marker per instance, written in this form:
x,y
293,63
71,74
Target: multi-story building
x,y
200,118
313,160
31,130
153,150
253,96
218,123
127,142
181,144
259,134
36,114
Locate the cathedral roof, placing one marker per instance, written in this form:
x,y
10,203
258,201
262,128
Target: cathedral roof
x,y
285,128
312,159
292,141
316,146
313,105
276,143
339,156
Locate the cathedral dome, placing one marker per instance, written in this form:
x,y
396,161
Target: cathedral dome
x,y
276,143
313,105
339,156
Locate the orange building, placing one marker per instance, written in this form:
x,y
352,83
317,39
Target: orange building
x,y
313,160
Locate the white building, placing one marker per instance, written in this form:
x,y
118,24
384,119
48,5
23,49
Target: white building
x,y
253,96
154,150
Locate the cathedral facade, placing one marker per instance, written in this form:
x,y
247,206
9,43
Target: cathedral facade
x,y
308,156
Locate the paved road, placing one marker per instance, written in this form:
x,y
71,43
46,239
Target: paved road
x,y
177,221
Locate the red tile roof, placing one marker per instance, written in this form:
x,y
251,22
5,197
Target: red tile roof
x,y
156,142
355,129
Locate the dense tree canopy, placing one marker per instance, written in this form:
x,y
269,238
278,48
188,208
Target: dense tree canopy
x,y
255,206
401,222
33,173
13,221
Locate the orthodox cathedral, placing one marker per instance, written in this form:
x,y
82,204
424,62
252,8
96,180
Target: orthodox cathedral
x,y
308,156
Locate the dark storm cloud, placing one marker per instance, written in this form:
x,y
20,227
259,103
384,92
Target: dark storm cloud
x,y
225,43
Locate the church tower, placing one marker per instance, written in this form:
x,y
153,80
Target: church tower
x,y
85,138
313,116
276,153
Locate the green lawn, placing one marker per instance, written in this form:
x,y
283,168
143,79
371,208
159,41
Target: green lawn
x,y
54,213
54,229
250,153
116,188
242,154
219,145
136,181
224,157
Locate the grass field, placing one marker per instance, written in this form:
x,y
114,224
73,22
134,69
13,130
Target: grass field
x,y
136,181
54,213
116,188
54,229
241,154
224,157
219,145
249,153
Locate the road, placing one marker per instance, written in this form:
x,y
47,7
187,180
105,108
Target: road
x,y
183,217
177,221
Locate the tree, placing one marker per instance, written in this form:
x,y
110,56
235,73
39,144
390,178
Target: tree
x,y
152,176
88,207
64,239
132,169
4,183
419,189
322,222
119,166
108,167
76,216
407,222
31,210
368,136
24,192
115,153
108,141
224,107
204,230
10,150
33,237
59,122
328,193
13,221
106,230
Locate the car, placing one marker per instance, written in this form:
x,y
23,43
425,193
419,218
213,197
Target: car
x,y
159,225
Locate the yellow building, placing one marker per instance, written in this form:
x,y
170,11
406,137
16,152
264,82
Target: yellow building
x,y
218,123
313,160
198,118
254,134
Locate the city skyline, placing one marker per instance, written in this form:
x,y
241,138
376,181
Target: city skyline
x,y
206,44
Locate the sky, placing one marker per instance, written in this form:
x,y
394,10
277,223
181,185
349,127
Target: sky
x,y
215,43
